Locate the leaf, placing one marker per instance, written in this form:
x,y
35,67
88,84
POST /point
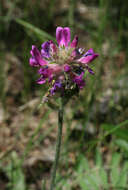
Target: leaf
x,y
122,143
103,177
101,171
122,133
42,35
94,179
91,178
15,174
97,177
62,183
98,158
83,164
87,182
115,168
124,176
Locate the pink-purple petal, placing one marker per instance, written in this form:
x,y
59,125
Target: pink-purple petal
x,y
59,34
88,57
74,42
66,36
45,49
56,86
63,36
89,52
53,48
41,80
79,80
67,68
37,57
33,62
89,70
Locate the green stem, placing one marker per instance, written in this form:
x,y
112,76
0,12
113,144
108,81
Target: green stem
x,y
58,144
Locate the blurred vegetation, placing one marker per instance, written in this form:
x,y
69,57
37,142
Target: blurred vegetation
x,y
94,152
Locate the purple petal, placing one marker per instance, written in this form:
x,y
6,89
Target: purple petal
x,y
53,48
36,56
76,53
88,57
43,71
33,62
41,80
66,36
63,36
46,73
45,49
74,42
50,78
57,85
59,32
90,70
89,52
67,68
79,80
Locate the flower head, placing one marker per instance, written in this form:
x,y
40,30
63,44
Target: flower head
x,y
62,66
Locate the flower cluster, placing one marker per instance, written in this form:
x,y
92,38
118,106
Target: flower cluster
x,y
63,66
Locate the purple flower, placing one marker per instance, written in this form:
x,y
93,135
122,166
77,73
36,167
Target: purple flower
x,y
74,42
62,66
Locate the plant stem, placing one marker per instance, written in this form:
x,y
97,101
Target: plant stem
x,y
58,144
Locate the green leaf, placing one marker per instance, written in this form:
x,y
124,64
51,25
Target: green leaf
x,y
94,179
103,177
97,177
91,178
62,183
122,143
101,171
83,164
115,168
116,130
42,35
98,158
123,176
15,174
87,181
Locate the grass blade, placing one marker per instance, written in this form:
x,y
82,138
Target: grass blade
x,y
42,35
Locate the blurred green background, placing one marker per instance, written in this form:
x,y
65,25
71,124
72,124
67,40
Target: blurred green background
x,y
94,154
